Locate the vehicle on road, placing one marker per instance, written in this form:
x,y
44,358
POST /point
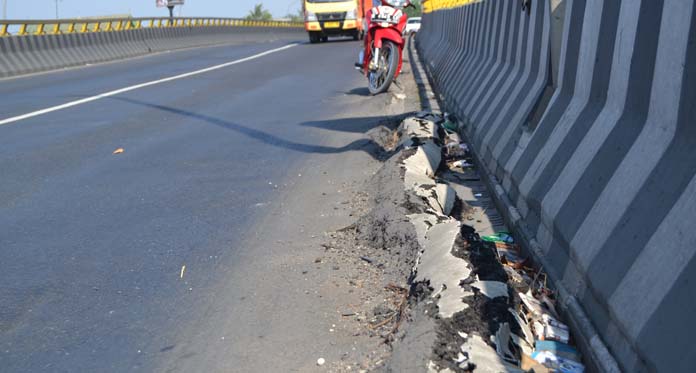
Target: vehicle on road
x,y
382,55
324,18
412,25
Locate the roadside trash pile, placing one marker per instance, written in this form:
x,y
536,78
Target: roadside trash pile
x,y
545,342
535,314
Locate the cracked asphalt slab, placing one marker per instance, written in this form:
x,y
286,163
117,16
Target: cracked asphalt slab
x,y
199,247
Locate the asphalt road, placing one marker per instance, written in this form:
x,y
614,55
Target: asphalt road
x,y
92,244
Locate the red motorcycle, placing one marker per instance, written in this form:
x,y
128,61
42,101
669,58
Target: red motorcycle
x,y
381,58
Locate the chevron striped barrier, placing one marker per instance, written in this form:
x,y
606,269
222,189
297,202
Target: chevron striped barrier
x,y
595,170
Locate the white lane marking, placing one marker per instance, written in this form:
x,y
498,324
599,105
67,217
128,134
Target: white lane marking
x,y
138,86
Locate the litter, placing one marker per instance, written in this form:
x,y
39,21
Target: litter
x,y
453,138
524,325
118,151
549,304
450,126
454,148
502,342
519,281
429,116
551,321
532,304
557,363
560,349
530,365
510,254
499,237
520,342
462,164
545,331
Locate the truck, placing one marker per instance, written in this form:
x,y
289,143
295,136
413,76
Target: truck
x,y
324,18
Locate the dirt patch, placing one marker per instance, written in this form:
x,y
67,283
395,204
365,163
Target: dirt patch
x,y
385,135
375,258
461,210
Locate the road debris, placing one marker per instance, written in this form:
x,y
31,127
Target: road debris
x,y
183,269
503,237
450,123
366,259
491,289
462,164
511,323
118,151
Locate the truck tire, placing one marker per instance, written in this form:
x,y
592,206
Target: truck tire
x,y
314,37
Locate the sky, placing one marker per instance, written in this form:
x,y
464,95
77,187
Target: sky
x,y
46,9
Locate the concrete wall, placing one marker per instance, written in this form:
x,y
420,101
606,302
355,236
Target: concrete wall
x,y
602,188
29,54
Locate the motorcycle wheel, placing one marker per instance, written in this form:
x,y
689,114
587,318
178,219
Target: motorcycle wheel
x,y
380,80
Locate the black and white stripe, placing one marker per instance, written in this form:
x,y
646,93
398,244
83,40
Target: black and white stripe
x,y
600,174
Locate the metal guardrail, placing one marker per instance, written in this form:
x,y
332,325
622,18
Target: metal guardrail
x,y
433,5
70,26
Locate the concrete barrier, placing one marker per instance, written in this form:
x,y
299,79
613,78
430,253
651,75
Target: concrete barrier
x,y
597,170
35,53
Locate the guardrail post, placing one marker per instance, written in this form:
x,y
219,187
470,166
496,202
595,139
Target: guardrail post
x,y
3,29
39,29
